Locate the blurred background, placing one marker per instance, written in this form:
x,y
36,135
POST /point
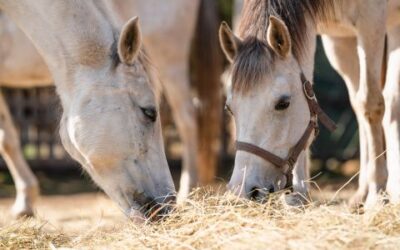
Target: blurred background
x,y
37,111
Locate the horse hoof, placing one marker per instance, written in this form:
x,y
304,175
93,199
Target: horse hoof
x,y
375,200
394,195
356,202
182,197
23,206
296,200
19,213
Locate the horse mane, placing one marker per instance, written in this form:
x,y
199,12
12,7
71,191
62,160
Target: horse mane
x,y
254,56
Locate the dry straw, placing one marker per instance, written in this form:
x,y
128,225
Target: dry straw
x,y
220,221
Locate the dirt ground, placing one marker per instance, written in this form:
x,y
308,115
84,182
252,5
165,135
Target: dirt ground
x,y
73,214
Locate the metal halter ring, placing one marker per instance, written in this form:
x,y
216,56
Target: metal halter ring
x,y
310,97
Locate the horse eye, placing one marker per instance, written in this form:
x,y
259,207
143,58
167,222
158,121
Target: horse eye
x,y
227,108
150,113
283,103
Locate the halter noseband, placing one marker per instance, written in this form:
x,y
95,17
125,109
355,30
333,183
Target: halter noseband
x,y
287,165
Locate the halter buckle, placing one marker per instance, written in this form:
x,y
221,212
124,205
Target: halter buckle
x,y
316,131
308,90
291,163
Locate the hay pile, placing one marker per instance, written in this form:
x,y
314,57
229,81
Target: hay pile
x,y
214,221
30,234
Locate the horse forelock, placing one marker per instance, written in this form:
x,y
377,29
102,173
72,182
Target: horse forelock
x,y
255,58
253,61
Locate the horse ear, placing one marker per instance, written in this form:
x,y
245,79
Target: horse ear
x,y
130,41
229,42
278,37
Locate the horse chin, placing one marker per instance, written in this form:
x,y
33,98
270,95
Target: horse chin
x,y
151,211
136,216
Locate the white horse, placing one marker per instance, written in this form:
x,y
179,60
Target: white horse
x,y
22,66
274,47
110,121
168,41
168,30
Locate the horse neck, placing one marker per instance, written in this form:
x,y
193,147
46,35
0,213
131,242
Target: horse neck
x,y
68,34
308,59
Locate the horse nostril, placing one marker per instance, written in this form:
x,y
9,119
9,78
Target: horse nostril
x,y
157,208
254,193
258,194
170,199
271,189
261,194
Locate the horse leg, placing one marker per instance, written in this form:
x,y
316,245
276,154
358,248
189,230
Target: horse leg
x,y
25,182
177,90
391,118
207,78
342,54
369,97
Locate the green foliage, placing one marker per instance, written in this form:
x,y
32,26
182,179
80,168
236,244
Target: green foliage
x,y
226,9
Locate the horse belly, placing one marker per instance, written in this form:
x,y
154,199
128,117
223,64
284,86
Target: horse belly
x,y
343,24
21,66
17,76
157,16
393,14
167,28
348,14
339,29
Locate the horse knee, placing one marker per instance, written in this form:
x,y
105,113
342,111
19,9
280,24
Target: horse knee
x,y
371,106
9,142
10,148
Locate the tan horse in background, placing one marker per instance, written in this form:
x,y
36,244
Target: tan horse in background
x,y
110,121
275,44
168,41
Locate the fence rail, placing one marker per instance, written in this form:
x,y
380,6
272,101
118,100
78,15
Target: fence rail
x,y
36,113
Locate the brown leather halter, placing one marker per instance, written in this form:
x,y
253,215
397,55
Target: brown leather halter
x,y
287,165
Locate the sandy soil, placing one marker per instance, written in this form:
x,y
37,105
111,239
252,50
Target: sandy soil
x,y
71,213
